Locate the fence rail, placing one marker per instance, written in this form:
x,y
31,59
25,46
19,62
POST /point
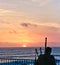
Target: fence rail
x,y
11,61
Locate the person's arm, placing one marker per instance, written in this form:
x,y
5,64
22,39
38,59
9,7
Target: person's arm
x,y
53,60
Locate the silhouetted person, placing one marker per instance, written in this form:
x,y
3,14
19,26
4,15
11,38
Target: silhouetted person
x,y
47,58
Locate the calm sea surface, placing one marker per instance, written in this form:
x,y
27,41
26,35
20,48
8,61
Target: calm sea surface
x,y
25,52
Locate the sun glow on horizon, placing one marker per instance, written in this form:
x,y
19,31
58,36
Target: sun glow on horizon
x,y
24,45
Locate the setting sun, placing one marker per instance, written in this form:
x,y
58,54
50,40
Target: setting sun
x,y
24,45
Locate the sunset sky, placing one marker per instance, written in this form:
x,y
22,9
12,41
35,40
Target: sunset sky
x,y
26,23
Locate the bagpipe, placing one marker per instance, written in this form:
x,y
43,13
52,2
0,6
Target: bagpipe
x,y
36,52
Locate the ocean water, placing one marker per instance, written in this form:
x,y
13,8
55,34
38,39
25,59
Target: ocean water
x,y
26,53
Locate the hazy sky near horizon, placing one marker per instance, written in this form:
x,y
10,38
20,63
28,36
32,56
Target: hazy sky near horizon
x,y
29,21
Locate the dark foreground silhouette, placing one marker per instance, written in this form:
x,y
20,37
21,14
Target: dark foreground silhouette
x,y
47,58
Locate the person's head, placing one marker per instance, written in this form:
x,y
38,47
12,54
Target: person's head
x,y
48,50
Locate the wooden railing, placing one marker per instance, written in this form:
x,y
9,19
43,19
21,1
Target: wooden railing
x,y
20,62
11,61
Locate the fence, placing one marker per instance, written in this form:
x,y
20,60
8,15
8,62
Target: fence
x,y
4,61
